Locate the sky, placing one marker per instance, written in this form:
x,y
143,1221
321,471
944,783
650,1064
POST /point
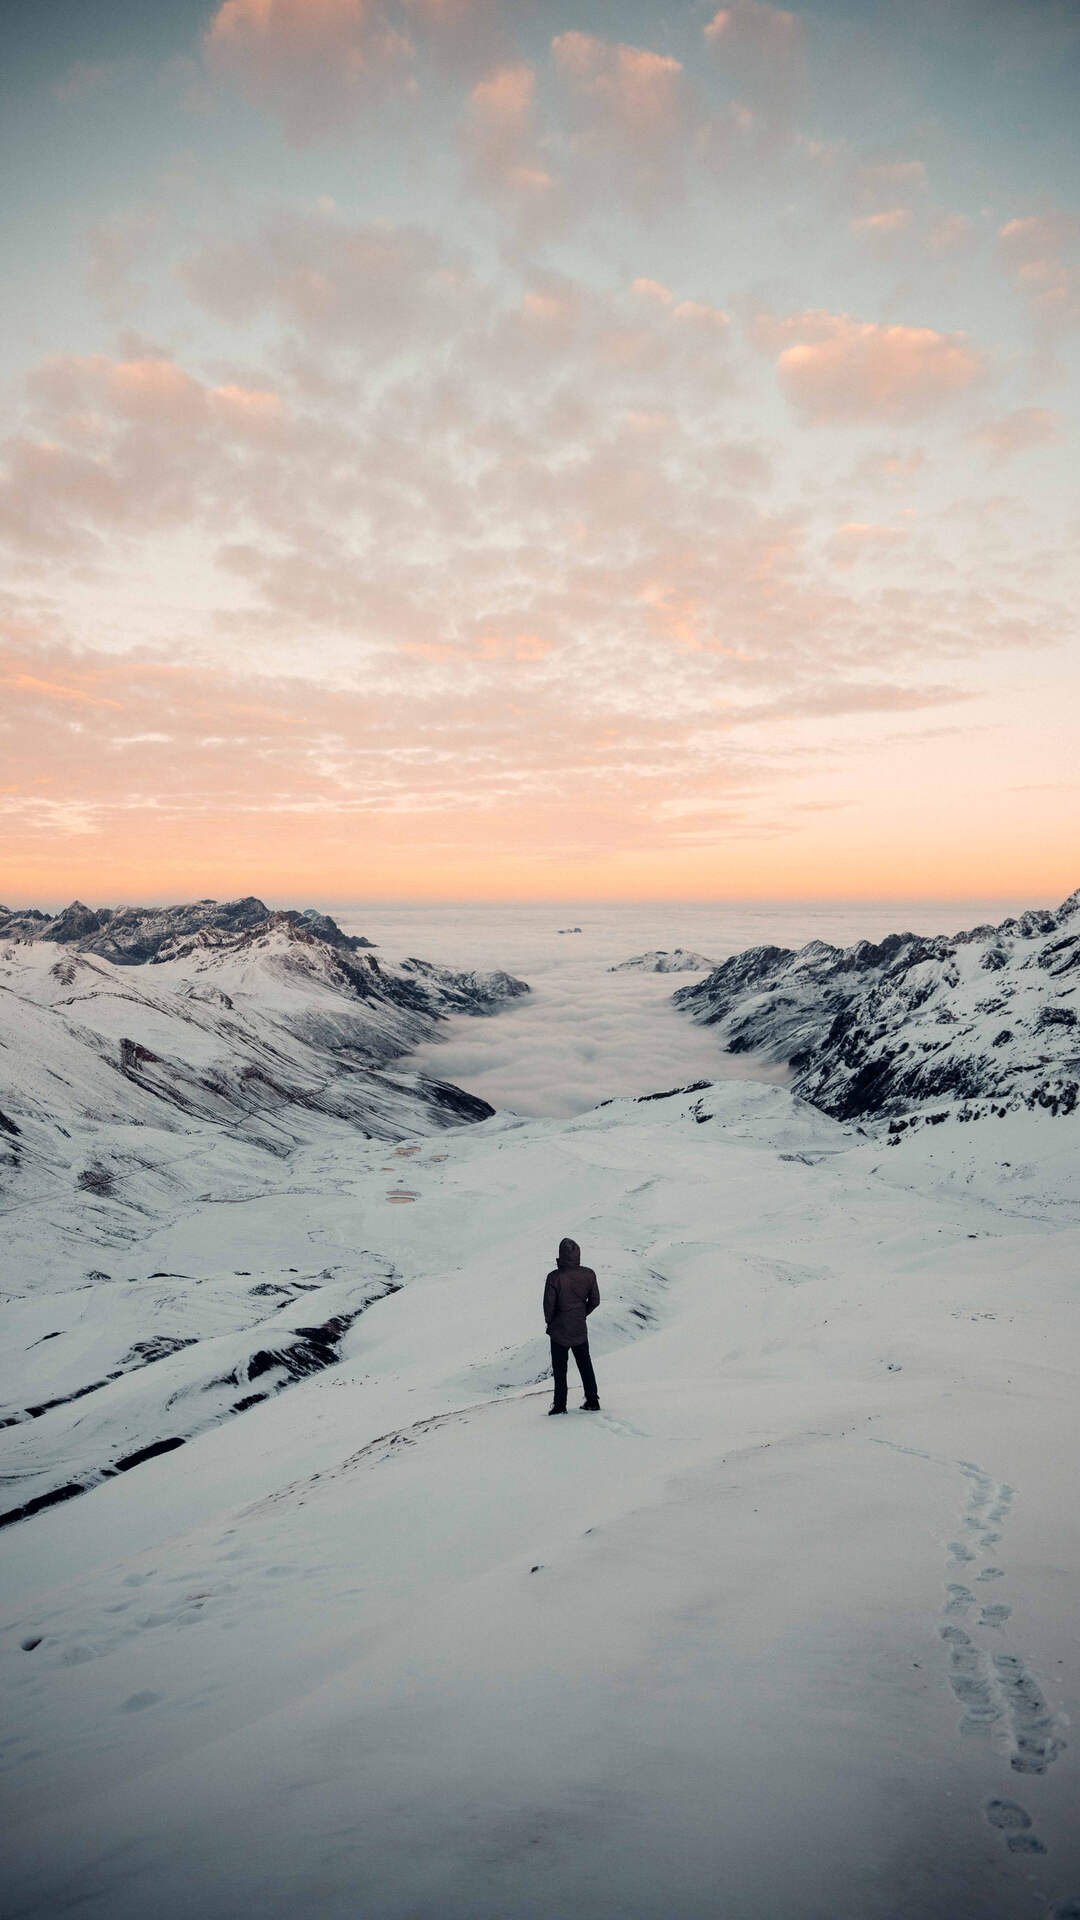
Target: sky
x,y
465,450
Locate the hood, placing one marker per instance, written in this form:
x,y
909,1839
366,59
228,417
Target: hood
x,y
569,1255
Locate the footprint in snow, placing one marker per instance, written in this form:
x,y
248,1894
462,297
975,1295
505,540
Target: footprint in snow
x,y
995,1615
961,1554
1014,1822
136,1702
613,1425
1036,1743
960,1598
969,1678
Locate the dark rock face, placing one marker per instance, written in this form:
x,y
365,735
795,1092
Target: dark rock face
x,y
886,1029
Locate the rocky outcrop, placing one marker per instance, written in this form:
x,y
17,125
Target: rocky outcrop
x,y
137,936
913,1028
659,960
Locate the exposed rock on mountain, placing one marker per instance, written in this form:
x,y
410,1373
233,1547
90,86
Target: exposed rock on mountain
x,y
131,936
659,960
913,1028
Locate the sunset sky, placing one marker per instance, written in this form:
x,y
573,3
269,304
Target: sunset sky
x,y
463,449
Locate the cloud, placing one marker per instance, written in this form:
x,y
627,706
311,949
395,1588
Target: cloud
x,y
136,445
632,116
882,228
631,88
866,697
951,235
837,370
1041,253
583,1034
1017,432
314,63
750,24
51,690
379,286
859,540
762,51
411,573
500,139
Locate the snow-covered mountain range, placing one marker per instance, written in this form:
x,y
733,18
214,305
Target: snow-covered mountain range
x,y
219,1062
659,960
913,1029
131,936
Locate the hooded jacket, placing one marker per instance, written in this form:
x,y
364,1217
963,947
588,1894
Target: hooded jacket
x,y
570,1293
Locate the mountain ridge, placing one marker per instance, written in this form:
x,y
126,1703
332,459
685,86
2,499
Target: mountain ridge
x,y
132,936
981,1021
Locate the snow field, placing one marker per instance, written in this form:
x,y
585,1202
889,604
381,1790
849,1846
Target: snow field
x,y
787,1629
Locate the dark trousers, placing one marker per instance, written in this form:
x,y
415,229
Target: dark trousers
x,y
560,1357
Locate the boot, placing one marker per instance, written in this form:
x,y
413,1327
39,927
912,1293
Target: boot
x,y
590,1406
552,1410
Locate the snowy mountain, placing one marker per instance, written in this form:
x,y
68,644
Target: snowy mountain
x,y
787,1629
243,1062
660,961
132,936
913,1029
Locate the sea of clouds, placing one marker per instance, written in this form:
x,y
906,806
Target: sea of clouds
x,y
585,1034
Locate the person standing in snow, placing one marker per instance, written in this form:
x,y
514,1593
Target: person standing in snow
x,y
570,1294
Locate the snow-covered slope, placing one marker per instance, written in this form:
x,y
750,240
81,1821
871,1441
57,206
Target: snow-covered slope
x,y
142,1100
913,1028
660,961
788,1629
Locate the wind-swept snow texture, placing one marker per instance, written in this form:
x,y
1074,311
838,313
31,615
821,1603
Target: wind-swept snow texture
x,y
788,1629
913,1029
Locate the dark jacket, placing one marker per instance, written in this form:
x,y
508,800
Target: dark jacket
x,y
570,1292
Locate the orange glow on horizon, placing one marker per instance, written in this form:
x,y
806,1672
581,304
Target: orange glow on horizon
x,y
298,877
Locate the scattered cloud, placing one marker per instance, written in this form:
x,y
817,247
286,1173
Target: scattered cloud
x,y
501,141
314,63
951,236
858,540
838,370
1017,432
1041,253
637,91
761,50
382,287
631,115
883,230
748,23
